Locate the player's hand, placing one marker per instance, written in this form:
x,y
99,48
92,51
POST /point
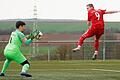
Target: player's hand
x,y
34,34
39,36
29,36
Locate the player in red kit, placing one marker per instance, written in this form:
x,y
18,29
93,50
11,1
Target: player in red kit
x,y
96,29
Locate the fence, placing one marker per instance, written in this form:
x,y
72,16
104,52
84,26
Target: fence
x,y
62,50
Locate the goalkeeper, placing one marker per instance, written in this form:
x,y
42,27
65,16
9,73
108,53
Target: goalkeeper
x,y
12,50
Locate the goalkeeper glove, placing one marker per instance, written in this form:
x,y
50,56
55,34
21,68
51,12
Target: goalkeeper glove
x,y
32,35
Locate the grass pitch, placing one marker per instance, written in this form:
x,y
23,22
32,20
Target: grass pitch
x,y
67,70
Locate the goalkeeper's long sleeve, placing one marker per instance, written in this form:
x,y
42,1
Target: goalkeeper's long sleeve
x,y
28,41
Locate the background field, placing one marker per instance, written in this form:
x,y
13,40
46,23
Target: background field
x,y
58,26
64,64
67,70
63,31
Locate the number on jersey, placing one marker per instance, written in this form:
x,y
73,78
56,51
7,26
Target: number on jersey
x,y
97,15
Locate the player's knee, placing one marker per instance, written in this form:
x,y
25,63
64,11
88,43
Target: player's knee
x,y
25,62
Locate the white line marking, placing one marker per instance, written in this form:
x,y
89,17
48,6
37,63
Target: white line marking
x,y
50,69
105,70
71,69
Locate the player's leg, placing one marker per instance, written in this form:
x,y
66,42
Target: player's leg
x,y
96,44
5,66
25,68
87,34
6,63
20,59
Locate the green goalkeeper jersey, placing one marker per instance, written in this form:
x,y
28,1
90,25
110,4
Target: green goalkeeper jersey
x,y
15,41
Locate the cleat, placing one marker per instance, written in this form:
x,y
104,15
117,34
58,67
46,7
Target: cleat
x,y
76,49
2,74
94,57
25,74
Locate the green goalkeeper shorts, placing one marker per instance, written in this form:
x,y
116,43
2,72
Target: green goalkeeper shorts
x,y
15,56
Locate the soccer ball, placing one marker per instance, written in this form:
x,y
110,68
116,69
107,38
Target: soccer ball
x,y
39,36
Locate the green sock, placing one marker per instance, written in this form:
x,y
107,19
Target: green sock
x,y
25,68
5,66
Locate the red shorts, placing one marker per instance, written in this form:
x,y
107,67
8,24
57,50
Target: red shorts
x,y
94,30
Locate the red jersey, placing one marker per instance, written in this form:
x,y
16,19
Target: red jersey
x,y
96,16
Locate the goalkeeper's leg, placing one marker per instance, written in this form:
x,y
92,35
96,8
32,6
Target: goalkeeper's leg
x,y
25,68
5,66
20,59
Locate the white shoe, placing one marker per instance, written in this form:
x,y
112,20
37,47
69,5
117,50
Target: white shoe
x,y
76,49
94,57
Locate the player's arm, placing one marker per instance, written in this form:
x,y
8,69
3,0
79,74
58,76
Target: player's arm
x,y
111,12
88,23
26,41
32,35
89,20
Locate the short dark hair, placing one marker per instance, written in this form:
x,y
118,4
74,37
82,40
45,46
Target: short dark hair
x,y
90,5
19,23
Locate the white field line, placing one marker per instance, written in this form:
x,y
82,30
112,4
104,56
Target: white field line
x,y
106,70
51,69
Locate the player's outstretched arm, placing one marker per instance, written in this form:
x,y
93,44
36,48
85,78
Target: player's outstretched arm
x,y
34,35
111,12
28,39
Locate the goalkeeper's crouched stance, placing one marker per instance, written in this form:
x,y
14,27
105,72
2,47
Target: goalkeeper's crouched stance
x,y
12,50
